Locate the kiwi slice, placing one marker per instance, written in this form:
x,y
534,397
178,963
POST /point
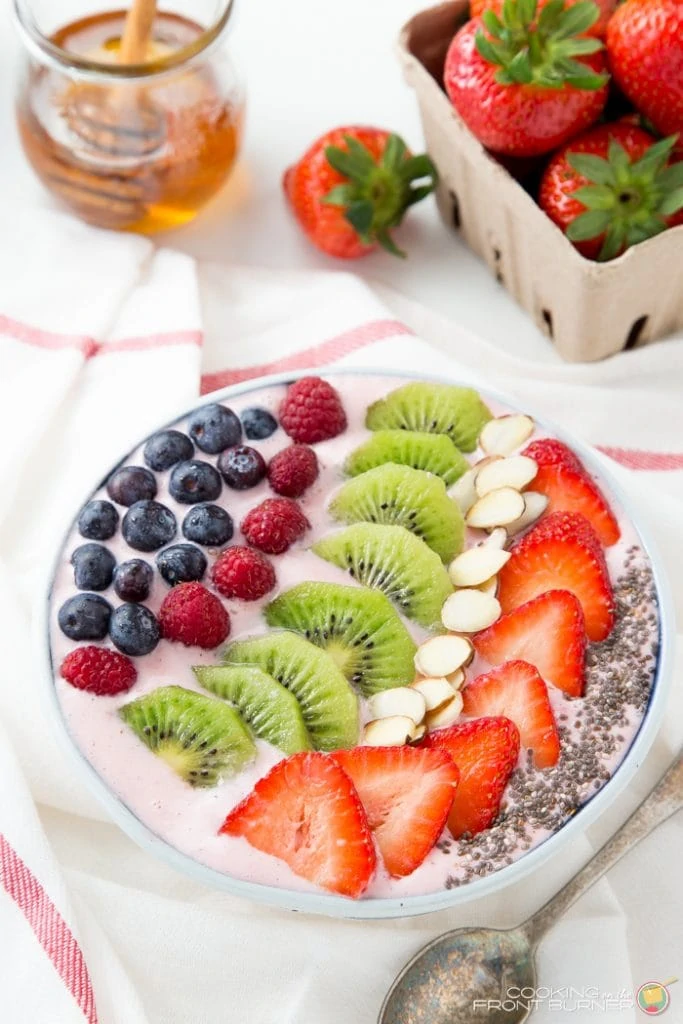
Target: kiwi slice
x,y
435,453
328,704
203,740
395,561
432,409
357,627
271,711
401,496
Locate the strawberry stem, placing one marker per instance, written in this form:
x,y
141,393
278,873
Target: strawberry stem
x,y
627,201
376,194
541,51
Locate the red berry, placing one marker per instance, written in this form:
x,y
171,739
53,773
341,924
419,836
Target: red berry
x,y
243,573
274,524
312,411
293,470
192,616
99,671
306,812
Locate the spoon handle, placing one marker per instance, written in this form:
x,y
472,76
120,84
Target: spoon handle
x,y
662,802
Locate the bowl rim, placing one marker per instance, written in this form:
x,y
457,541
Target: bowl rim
x,y
379,908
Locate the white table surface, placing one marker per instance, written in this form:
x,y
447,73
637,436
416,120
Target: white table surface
x,y
309,66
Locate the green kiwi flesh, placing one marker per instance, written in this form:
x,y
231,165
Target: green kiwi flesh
x,y
401,496
271,712
328,703
395,561
203,740
356,626
434,453
432,409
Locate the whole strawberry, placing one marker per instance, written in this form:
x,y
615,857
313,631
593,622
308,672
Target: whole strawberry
x,y
98,671
353,186
312,411
525,84
611,188
606,7
645,50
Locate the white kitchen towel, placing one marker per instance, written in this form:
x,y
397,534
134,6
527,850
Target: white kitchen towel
x,y
102,337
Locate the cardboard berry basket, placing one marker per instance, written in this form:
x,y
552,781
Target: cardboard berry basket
x,y
590,310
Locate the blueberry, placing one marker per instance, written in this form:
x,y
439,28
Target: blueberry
x,y
134,629
181,563
242,467
148,525
209,525
93,567
130,484
85,617
194,481
213,428
166,448
258,424
133,580
98,520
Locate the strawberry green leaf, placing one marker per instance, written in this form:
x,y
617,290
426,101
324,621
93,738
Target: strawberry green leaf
x,y
618,158
672,203
588,225
492,22
670,177
655,158
613,244
359,214
592,167
595,197
394,153
576,20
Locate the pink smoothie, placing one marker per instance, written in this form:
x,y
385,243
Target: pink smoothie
x,y
597,730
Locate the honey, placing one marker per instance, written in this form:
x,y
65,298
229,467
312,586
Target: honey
x,y
141,153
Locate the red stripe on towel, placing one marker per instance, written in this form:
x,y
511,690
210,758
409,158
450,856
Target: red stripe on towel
x,y
89,346
318,355
633,458
49,927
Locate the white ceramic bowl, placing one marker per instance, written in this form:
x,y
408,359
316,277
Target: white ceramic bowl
x,y
406,906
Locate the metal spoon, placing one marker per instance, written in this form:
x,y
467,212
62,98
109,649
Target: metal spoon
x,y
452,980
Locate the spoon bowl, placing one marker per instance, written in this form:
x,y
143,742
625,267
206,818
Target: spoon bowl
x,y
482,974
463,976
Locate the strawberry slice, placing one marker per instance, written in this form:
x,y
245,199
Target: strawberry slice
x,y
549,632
486,753
516,691
306,812
407,793
562,552
569,488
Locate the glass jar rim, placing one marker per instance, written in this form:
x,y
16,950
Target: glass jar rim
x,y
48,52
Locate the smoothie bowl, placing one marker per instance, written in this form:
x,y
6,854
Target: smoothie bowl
x,y
367,645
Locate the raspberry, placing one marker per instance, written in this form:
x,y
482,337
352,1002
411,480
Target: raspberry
x,y
312,411
99,671
274,524
193,616
293,470
241,572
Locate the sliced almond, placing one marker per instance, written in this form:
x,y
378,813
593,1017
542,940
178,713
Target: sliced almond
x,y
446,715
476,565
517,472
456,679
418,732
462,492
435,692
497,508
497,538
441,655
535,505
389,732
486,461
489,586
504,435
468,611
402,701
